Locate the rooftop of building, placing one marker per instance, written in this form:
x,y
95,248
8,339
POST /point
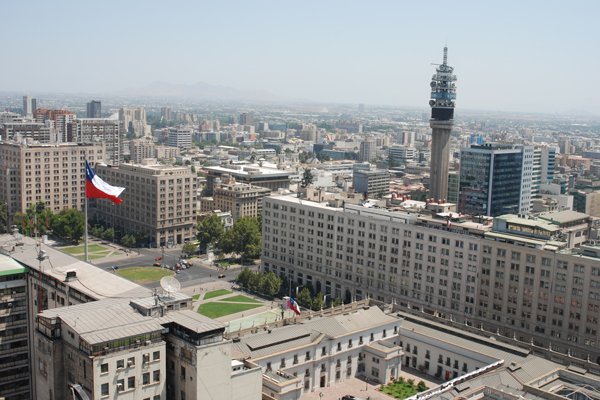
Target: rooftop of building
x,y
8,266
289,337
564,217
249,170
90,280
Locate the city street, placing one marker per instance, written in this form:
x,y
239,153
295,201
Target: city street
x,y
201,272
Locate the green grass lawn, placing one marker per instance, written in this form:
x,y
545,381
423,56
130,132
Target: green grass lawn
x,y
216,293
402,389
143,275
218,309
226,262
196,297
240,299
92,248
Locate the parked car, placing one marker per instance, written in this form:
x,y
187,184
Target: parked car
x,y
157,264
221,276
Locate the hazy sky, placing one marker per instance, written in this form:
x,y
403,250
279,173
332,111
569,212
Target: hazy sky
x,y
508,55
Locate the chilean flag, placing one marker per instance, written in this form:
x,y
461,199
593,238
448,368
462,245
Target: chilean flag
x,y
292,305
96,188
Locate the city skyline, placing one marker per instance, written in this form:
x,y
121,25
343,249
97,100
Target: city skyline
x,y
532,57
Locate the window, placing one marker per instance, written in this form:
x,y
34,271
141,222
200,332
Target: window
x,y
372,337
156,376
104,368
156,356
146,378
131,382
182,373
104,389
339,346
120,385
131,361
120,364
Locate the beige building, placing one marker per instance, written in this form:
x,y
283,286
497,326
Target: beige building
x,y
35,131
534,289
96,130
242,200
140,149
53,174
159,201
269,178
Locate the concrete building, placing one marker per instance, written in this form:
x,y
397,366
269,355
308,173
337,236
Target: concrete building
x,y
29,106
133,122
371,182
96,130
241,199
270,178
140,149
453,187
181,137
326,351
534,289
587,201
400,155
94,109
14,365
496,179
367,151
159,201
53,174
27,130
60,120
443,96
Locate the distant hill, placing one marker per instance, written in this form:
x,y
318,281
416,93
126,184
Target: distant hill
x,y
198,91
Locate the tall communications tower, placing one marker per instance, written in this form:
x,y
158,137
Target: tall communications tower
x,y
443,96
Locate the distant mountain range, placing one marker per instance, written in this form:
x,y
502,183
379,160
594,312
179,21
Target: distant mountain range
x,y
198,91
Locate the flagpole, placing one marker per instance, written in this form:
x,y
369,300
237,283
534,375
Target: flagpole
x,y
85,235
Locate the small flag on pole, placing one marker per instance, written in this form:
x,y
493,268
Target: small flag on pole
x,y
293,305
96,188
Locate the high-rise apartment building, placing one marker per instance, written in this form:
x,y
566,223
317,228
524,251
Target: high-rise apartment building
x,y
443,96
159,201
133,122
514,281
59,120
94,109
29,106
367,151
181,137
95,130
165,114
246,118
53,174
496,179
14,351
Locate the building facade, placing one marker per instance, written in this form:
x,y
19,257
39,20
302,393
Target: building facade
x,y
53,174
241,199
14,351
96,130
371,182
159,202
94,109
270,178
495,179
534,289
181,137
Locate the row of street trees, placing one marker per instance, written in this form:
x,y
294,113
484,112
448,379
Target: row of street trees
x,y
267,283
242,239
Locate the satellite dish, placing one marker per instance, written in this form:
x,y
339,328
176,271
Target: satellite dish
x,y
170,284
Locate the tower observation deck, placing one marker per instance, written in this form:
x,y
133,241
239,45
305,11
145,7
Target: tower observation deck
x,y
443,96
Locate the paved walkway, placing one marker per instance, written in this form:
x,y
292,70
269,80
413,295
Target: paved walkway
x,y
352,386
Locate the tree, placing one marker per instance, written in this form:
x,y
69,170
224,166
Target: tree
x,y
304,298
244,277
210,231
243,238
68,224
189,248
421,386
317,302
128,240
304,156
97,231
270,284
108,234
3,218
337,302
307,178
254,281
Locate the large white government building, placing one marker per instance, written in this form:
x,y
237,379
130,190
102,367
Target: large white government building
x,y
521,280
